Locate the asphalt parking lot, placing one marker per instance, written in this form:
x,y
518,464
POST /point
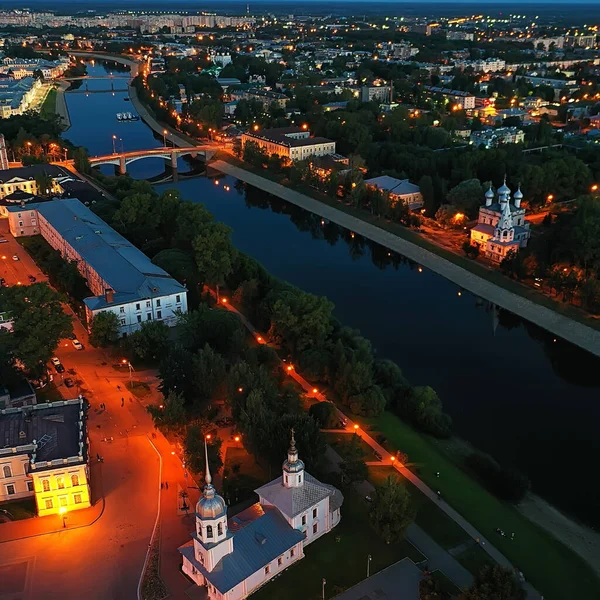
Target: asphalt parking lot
x,y
13,271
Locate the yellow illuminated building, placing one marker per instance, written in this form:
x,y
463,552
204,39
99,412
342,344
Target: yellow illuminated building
x,y
46,456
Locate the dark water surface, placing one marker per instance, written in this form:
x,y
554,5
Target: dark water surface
x,y
511,389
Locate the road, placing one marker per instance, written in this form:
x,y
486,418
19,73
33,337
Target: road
x,y
572,331
104,559
388,459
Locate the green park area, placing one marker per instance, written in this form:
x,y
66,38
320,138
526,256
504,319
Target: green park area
x,y
48,109
550,566
339,557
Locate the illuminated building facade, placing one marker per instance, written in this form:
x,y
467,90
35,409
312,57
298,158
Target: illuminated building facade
x,y
46,456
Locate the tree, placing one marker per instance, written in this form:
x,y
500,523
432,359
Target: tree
x,y
170,413
494,583
426,187
392,510
176,373
39,324
151,340
44,184
325,414
354,467
104,329
209,372
214,253
466,197
194,448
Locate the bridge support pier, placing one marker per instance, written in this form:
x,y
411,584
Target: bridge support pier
x,y
122,166
174,162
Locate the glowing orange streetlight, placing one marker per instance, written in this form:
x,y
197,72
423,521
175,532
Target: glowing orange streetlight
x,y
161,406
259,338
124,361
240,390
315,390
355,427
305,126
208,436
289,368
550,197
392,458
237,438
594,187
255,127
224,300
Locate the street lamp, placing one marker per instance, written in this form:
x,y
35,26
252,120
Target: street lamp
x,y
165,137
323,588
368,565
114,139
63,513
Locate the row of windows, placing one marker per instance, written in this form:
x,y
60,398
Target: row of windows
x,y
314,516
149,305
60,482
280,561
62,501
11,490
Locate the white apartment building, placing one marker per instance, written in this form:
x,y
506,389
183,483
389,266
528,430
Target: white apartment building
x,y
122,278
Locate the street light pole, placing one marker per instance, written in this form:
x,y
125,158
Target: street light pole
x,y
323,589
114,137
368,565
165,137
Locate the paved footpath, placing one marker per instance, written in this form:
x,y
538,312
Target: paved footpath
x,y
390,460
581,335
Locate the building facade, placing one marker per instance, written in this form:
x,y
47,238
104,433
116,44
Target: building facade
x,y
501,225
399,190
46,456
293,143
234,557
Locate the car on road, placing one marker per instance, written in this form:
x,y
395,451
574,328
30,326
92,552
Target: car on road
x,y
57,365
32,278
69,382
77,344
15,257
3,241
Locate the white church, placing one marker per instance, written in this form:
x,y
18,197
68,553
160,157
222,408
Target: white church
x,y
501,226
234,557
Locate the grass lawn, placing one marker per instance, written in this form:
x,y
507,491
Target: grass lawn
x,y
474,559
138,388
552,568
48,109
342,563
444,584
434,521
338,440
20,509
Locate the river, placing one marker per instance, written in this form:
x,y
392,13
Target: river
x,y
510,387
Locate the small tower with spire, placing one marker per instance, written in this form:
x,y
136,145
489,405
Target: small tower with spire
x,y
293,467
211,539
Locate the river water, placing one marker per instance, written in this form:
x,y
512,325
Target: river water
x,y
510,387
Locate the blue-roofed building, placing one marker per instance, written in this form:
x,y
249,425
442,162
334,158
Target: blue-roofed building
x,y
399,190
232,558
121,277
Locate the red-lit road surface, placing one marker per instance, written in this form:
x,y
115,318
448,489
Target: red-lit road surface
x,y
388,459
101,551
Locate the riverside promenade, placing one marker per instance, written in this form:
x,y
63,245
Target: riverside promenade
x,y
576,333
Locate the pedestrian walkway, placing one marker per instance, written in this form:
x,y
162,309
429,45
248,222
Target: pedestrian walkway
x,y
581,335
389,459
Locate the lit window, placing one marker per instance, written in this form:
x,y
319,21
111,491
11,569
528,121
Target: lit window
x,y
60,483
63,501
48,503
45,485
74,480
77,498
7,471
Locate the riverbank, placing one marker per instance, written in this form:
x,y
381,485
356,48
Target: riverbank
x,y
61,105
564,327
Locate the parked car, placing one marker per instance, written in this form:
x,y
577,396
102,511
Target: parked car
x,y
77,344
32,278
3,241
69,382
15,257
57,365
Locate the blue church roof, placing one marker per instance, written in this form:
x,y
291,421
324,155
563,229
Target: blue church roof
x,y
254,547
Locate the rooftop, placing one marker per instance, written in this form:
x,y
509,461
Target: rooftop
x,y
291,501
55,427
124,268
255,545
399,187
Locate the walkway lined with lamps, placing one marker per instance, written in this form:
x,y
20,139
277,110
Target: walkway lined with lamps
x,y
387,458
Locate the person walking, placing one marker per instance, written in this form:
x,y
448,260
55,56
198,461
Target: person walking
x,y
167,484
